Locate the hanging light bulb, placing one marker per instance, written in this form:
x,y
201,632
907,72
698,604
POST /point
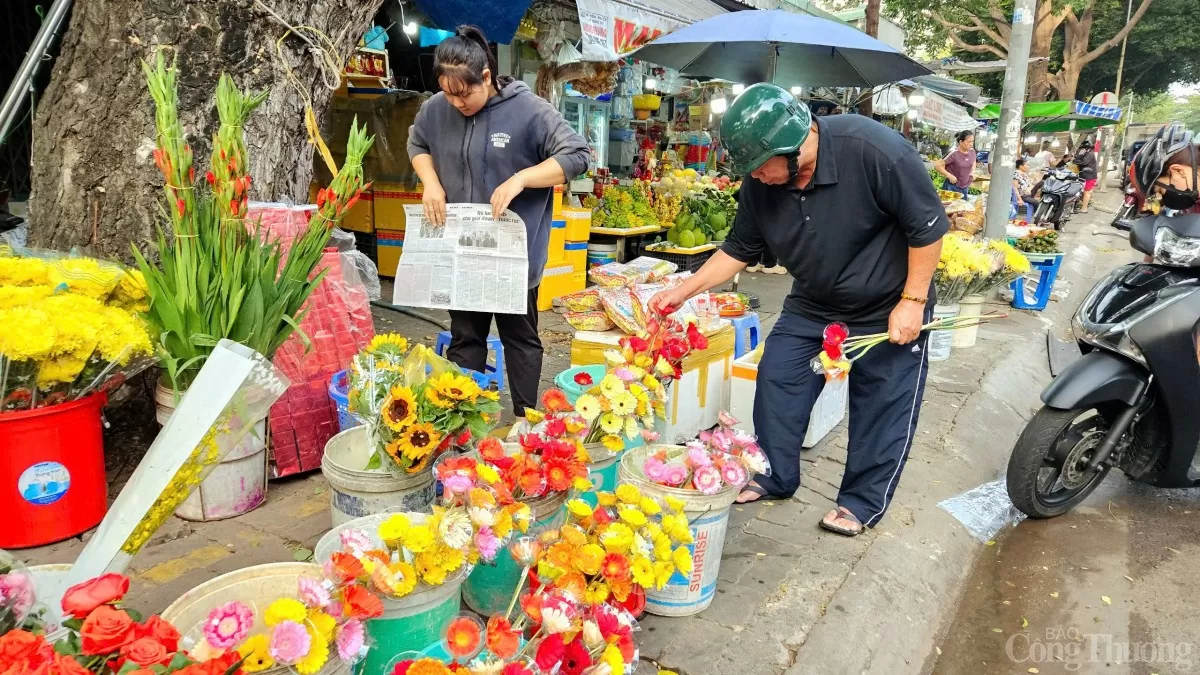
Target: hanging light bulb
x,y
651,84
717,105
738,88
912,114
916,98
797,90
411,28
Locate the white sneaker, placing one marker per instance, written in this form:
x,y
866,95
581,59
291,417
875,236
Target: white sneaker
x,y
777,269
752,269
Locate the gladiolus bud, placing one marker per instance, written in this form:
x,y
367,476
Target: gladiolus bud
x,y
208,176
222,154
233,206
321,198
192,174
180,205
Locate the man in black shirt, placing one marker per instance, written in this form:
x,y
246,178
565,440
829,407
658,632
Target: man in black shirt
x,y
848,207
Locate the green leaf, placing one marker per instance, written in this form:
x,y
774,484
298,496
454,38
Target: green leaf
x,y
73,624
179,661
376,462
134,614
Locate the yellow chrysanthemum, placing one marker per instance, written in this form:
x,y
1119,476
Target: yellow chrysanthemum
x,y
606,498
643,571
20,296
427,566
285,609
663,571
629,493
674,503
487,473
617,538
588,407
22,271
649,506
419,539
323,624
393,530
256,654
314,660
682,559
633,517
28,334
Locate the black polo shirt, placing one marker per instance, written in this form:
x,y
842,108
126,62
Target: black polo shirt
x,y
845,237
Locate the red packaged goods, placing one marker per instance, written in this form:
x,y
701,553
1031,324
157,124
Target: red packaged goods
x,y
338,324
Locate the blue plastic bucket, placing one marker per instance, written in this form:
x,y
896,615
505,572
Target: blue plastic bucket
x,y
566,380
339,392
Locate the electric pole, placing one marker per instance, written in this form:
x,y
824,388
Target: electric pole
x,y
1008,132
1117,90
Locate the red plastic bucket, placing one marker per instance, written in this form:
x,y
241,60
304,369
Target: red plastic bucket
x,y
52,482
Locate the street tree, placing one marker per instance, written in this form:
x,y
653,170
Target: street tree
x,y
94,181
984,27
1164,48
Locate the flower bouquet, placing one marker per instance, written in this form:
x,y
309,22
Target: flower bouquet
x,y
971,266
415,404
720,458
321,622
17,597
541,465
71,328
579,639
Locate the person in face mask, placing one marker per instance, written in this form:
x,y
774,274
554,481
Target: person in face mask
x,y
1164,172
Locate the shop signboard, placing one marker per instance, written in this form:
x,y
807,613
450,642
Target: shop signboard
x,y
943,114
613,28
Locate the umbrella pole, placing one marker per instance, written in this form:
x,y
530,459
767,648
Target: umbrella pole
x,y
772,59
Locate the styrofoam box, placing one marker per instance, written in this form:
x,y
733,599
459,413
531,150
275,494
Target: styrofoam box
x,y
827,413
685,416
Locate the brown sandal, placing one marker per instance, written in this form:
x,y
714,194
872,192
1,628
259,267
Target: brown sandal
x,y
842,513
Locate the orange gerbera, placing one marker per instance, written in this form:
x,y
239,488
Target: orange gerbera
x,y
464,637
560,555
359,603
573,584
531,604
555,401
621,589
346,567
559,475
427,667
502,640
615,568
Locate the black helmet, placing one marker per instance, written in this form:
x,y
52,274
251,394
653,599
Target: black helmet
x,y
1149,162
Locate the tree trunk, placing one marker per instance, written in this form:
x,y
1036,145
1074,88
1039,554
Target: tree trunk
x,y
94,181
870,27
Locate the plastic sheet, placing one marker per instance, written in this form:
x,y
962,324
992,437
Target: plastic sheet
x,y
338,324
984,510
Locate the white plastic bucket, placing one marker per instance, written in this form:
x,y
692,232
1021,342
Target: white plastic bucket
x,y
941,341
257,586
971,305
411,623
237,485
356,492
709,518
601,254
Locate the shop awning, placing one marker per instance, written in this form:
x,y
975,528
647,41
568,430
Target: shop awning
x,y
1059,115
498,19
613,28
944,114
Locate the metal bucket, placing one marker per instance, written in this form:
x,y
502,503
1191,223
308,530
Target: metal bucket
x,y
256,586
602,473
411,623
490,588
709,518
355,492
236,485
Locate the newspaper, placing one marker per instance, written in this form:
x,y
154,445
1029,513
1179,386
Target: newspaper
x,y
472,263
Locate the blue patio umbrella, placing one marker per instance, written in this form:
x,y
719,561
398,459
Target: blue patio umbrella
x,y
782,47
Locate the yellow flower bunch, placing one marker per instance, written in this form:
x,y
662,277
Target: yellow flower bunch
x,y
85,276
17,296
628,538
22,271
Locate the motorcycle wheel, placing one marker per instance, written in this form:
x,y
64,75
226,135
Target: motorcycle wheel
x,y
1047,473
1039,215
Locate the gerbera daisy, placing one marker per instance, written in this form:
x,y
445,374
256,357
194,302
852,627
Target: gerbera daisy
x,y
559,475
399,409
611,386
455,528
624,403
255,655
554,401
502,640
615,567
418,441
611,424
588,406
463,637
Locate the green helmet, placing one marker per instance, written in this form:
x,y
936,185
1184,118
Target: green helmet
x,y
763,122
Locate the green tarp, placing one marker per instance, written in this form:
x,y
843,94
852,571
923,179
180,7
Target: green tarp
x,y
1052,116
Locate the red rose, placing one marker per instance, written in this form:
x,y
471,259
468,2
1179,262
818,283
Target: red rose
x,y
221,664
81,599
65,665
20,645
105,631
146,652
159,630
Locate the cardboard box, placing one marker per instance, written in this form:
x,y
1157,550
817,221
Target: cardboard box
x,y
389,245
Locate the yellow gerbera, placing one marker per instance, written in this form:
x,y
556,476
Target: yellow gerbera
x,y
597,593
643,571
588,406
323,624
588,559
487,473
393,529
418,440
611,386
419,539
256,654
624,403
285,609
579,508
611,424
400,408
314,660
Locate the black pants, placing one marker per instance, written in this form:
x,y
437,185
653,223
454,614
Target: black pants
x,y
886,386
522,348
767,259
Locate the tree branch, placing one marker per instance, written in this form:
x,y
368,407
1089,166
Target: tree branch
x,y
1116,39
1002,25
993,35
953,29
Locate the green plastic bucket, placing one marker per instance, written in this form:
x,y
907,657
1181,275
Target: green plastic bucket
x,y
566,380
602,473
489,588
410,623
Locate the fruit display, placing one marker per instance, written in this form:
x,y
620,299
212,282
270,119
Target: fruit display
x,y
623,207
706,216
667,206
1042,241
689,182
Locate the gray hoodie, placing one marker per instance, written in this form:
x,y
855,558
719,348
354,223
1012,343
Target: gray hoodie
x,y
474,155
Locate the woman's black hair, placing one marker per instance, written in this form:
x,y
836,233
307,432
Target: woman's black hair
x,y
1020,162
963,135
464,57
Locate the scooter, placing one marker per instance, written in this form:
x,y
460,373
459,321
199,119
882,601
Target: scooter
x,y
1061,191
1129,207
1130,401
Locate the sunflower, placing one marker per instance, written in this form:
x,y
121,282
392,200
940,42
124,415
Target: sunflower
x,y
400,408
417,441
455,387
393,341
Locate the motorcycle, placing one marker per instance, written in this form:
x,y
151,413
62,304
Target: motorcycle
x,y
1130,401
1061,191
1129,207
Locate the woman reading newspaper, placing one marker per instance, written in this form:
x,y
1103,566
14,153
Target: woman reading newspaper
x,y
489,138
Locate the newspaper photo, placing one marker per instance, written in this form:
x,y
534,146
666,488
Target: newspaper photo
x,y
473,262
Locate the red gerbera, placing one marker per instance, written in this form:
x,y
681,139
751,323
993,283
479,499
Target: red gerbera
x,y
550,653
559,475
575,657
554,400
531,481
490,449
556,427
695,338
583,379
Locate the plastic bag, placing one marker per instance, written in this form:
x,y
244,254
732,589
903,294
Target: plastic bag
x,y
638,271
625,308
596,320
984,510
582,301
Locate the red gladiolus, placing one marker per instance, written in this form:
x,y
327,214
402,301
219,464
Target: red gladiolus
x,y
233,206
353,200
208,176
180,206
222,154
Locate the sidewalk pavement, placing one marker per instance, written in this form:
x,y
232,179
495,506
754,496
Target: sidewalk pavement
x,y
791,599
